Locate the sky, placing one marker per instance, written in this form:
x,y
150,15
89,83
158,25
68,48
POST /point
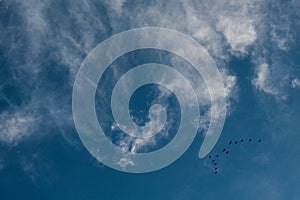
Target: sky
x,y
256,47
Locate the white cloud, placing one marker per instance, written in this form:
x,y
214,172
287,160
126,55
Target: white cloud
x,y
273,77
282,29
231,89
45,33
207,21
230,84
34,15
228,28
137,143
14,127
262,74
223,28
276,35
116,5
261,81
295,83
237,21
239,32
74,35
124,162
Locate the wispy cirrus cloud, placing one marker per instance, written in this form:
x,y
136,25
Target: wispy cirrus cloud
x,y
262,80
42,34
16,126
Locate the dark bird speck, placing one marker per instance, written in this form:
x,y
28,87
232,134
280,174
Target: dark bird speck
x,y
224,150
259,140
230,142
236,142
227,152
250,140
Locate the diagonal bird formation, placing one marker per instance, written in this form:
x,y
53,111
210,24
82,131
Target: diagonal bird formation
x,y
226,152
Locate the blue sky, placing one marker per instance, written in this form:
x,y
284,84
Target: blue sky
x,y
255,45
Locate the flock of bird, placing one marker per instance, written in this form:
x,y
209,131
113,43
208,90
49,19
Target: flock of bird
x,y
226,152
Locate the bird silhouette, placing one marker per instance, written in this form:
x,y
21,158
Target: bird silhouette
x,y
259,140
